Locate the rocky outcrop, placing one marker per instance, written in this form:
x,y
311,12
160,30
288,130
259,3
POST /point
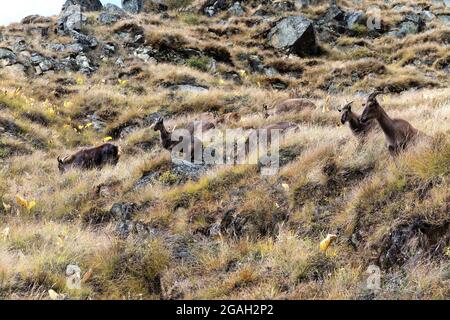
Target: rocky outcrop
x,y
133,6
295,34
85,5
70,19
111,14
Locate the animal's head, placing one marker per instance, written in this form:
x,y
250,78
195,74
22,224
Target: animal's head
x,y
345,110
61,165
159,124
371,107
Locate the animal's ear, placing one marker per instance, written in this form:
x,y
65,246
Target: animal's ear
x,y
59,160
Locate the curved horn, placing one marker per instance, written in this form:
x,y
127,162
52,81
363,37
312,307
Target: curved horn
x,y
374,94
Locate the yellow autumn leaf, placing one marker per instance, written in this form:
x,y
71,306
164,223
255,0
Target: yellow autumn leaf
x,y
106,139
31,204
81,127
80,81
21,201
325,243
88,125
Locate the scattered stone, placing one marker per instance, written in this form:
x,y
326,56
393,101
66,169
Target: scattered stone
x,y
445,18
295,34
123,210
427,15
145,54
85,41
188,88
355,18
412,24
284,5
236,10
111,14
7,57
213,7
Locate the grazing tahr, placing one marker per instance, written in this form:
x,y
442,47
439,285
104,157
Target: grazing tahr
x,y
360,129
91,158
168,143
399,133
294,105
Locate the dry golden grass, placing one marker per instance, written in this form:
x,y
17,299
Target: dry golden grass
x,y
329,182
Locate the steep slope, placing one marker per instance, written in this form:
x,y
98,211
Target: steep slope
x,y
150,228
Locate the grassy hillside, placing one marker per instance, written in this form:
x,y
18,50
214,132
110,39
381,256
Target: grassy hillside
x,y
225,231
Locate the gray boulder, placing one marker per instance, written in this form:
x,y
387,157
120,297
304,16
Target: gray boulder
x,y
111,14
41,63
213,7
70,19
7,57
188,88
295,34
355,18
412,24
133,6
236,10
123,210
445,18
85,41
283,5
85,5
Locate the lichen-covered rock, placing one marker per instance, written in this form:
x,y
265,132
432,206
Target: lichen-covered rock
x,y
295,34
70,19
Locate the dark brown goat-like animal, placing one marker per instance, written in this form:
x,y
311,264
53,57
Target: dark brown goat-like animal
x,y
168,143
360,129
398,132
91,158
